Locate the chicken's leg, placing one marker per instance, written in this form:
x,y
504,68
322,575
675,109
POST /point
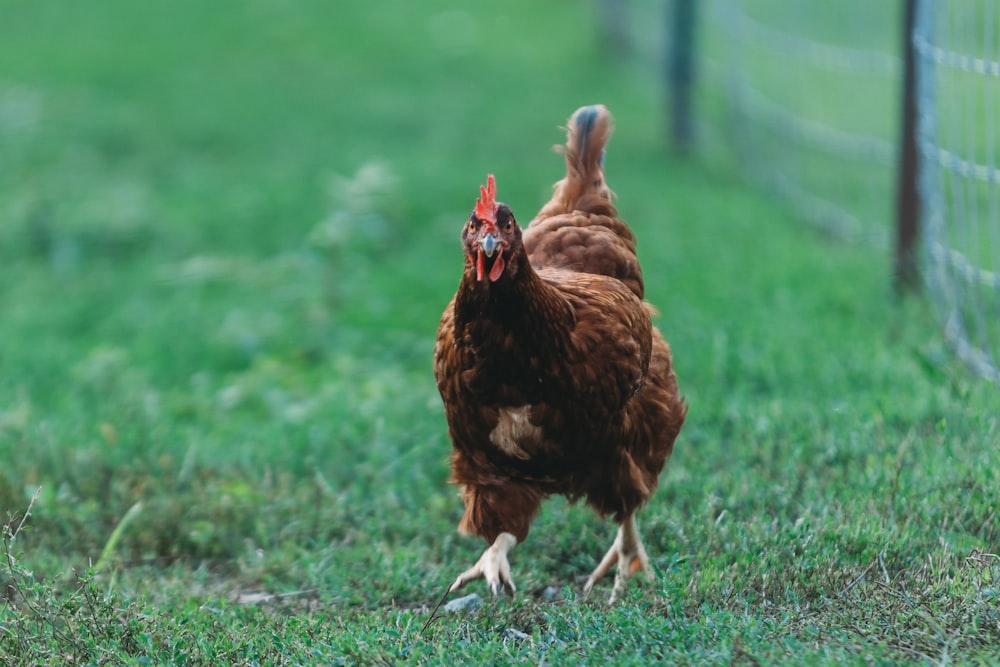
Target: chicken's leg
x,y
628,552
491,566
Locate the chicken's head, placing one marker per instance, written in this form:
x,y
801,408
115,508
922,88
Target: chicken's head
x,y
491,235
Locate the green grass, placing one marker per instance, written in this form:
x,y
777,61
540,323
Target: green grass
x,y
226,237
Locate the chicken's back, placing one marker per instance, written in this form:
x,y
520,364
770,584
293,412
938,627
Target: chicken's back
x,y
579,229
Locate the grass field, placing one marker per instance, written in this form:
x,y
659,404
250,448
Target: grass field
x,y
226,235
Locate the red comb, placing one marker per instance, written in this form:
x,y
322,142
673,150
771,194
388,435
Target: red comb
x,y
486,205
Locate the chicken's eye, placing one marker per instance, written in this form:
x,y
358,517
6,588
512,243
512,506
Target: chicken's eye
x,y
509,227
472,225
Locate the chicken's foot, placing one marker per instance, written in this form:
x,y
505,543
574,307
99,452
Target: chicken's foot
x,y
628,551
491,566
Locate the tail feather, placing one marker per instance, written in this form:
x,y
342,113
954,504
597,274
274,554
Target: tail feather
x,y
579,228
586,139
589,126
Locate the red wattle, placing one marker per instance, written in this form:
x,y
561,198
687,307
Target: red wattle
x,y
497,268
480,266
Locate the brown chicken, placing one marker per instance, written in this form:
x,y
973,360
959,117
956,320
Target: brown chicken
x,y
553,377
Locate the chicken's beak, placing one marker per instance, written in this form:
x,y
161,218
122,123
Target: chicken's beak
x,y
489,243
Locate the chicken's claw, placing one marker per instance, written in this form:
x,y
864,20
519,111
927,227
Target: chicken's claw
x,y
491,566
630,554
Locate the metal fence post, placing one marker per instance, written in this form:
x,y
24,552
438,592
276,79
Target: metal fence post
x,y
906,275
680,72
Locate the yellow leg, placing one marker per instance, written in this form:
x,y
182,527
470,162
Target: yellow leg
x,y
491,566
628,551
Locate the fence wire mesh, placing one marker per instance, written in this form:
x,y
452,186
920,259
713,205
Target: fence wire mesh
x,y
809,95
811,91
958,47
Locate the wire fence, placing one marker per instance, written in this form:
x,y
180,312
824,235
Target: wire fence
x,y
809,95
811,104
958,83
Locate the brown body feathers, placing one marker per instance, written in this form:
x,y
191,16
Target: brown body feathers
x,y
553,377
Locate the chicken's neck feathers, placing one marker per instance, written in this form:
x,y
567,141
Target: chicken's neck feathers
x,y
524,309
